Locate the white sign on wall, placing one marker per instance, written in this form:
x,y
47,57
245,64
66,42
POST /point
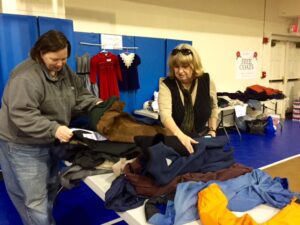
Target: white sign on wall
x,y
246,65
109,41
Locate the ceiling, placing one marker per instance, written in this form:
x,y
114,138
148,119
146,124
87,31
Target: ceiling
x,y
253,9
236,8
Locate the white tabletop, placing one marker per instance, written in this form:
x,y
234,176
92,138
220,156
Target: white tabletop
x,y
101,183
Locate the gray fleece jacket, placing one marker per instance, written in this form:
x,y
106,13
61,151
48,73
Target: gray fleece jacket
x,y
34,105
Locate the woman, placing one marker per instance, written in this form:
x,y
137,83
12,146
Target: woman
x,y
187,97
39,100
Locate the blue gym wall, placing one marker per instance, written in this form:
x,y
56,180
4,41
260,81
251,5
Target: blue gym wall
x,y
18,33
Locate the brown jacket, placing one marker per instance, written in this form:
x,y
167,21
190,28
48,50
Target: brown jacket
x,y
119,126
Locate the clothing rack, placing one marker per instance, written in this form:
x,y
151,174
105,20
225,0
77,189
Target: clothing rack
x,y
100,45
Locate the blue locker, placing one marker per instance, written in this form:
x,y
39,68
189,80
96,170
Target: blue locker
x,y
23,31
152,67
63,25
129,97
80,49
17,36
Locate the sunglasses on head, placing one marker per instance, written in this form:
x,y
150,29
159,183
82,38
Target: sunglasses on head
x,y
183,51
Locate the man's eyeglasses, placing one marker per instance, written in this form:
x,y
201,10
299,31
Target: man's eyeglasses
x,y
183,51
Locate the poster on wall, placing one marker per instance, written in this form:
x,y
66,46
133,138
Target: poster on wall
x,y
109,41
246,65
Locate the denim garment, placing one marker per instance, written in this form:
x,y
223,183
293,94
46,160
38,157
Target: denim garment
x,y
212,208
243,193
30,175
164,219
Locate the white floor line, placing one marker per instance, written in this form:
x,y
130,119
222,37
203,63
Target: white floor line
x,y
280,161
113,221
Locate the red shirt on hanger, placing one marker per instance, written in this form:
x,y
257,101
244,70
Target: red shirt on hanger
x,y
105,67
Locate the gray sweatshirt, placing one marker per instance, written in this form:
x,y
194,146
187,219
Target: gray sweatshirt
x,y
34,105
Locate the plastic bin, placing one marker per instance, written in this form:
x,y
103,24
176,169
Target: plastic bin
x,y
296,110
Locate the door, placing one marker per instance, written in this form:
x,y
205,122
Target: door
x,y
285,71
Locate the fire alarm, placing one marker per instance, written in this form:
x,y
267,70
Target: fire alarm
x,y
294,28
265,40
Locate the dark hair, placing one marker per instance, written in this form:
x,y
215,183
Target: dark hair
x,y
51,41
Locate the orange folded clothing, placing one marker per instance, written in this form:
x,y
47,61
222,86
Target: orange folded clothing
x,y
212,209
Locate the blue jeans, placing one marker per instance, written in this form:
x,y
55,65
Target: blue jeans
x,y
31,178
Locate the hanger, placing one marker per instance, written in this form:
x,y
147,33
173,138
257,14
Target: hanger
x,y
104,50
126,51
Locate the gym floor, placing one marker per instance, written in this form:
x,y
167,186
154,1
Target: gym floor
x,y
80,206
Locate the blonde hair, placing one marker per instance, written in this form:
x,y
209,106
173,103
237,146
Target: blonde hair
x,y
193,60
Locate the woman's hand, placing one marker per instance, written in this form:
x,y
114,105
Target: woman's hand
x,y
100,101
187,142
63,134
212,133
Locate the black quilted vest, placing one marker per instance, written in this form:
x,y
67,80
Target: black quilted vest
x,y
202,106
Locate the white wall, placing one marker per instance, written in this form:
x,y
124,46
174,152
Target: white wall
x,y
48,8
218,28
217,37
